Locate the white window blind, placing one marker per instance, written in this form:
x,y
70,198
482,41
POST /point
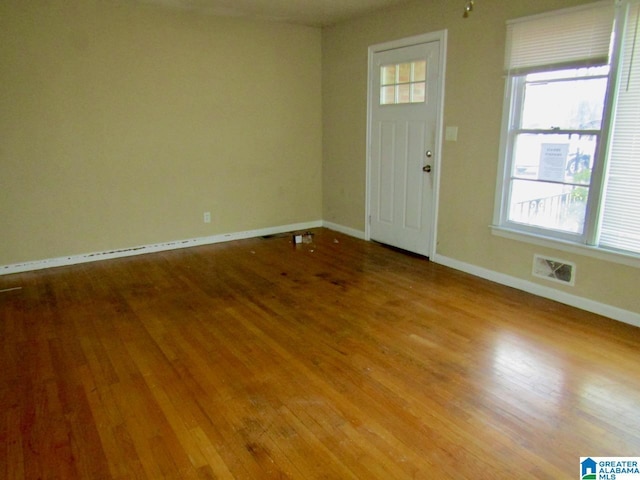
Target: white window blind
x,y
572,37
620,222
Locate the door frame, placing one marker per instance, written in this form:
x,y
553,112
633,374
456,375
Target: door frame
x,y
372,94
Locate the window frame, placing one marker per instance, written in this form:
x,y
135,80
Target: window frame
x,y
587,242
513,114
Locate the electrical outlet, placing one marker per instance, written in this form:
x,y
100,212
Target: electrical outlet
x,y
207,217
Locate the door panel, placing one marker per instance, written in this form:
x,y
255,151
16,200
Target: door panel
x,y
414,182
386,172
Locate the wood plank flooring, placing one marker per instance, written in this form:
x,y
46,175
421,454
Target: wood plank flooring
x,y
340,359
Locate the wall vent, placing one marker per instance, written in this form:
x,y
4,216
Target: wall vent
x,y
554,269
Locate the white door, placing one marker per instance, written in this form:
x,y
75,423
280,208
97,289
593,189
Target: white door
x,y
404,111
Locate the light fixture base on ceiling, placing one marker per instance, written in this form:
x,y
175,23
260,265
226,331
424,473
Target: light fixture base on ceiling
x,y
468,8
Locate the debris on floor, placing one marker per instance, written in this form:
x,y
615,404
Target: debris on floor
x,y
306,237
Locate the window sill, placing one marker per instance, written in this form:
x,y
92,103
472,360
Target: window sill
x,y
586,250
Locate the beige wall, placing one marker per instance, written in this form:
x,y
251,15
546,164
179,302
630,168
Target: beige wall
x,y
120,125
473,102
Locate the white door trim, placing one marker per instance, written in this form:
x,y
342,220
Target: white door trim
x,y
441,37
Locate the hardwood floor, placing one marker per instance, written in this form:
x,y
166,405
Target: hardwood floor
x,y
339,359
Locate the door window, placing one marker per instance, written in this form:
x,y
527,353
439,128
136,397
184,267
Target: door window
x,y
402,83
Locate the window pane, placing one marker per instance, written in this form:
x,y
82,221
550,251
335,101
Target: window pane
x,y
388,75
548,205
404,75
419,71
388,95
574,73
404,93
568,104
418,92
552,157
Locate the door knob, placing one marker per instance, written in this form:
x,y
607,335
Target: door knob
x,y
426,168
429,153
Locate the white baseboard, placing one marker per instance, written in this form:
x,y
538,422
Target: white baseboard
x,y
158,247
582,303
615,313
346,230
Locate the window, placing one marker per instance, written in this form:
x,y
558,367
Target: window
x,y
553,146
571,135
403,83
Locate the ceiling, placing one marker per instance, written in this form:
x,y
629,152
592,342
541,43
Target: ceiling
x,y
317,13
